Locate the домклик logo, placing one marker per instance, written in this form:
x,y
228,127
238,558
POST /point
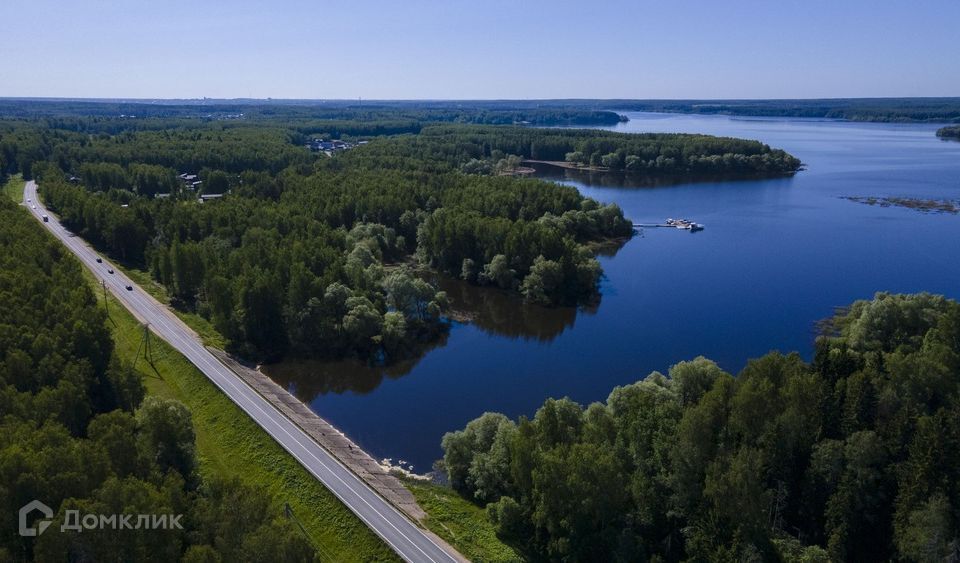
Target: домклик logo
x,y
41,524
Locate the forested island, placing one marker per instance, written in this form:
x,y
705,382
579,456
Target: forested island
x,y
290,252
952,132
852,457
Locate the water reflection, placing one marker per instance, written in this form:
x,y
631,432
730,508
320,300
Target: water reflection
x,y
308,379
491,310
504,314
620,179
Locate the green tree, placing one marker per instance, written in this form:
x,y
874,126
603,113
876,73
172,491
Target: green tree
x,y
691,380
498,272
543,282
165,435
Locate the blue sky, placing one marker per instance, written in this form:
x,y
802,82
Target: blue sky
x,y
481,49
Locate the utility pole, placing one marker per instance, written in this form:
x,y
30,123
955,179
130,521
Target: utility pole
x,y
288,512
145,346
148,351
137,357
106,307
777,505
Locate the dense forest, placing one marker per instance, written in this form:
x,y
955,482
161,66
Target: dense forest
x,y
949,132
314,255
852,457
647,153
77,434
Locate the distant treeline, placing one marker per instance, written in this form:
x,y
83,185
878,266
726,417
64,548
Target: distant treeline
x,y
949,132
852,457
77,434
412,115
944,110
541,112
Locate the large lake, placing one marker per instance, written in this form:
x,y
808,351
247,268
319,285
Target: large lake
x,y
776,256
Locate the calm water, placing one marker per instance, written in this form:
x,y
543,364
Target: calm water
x,y
776,256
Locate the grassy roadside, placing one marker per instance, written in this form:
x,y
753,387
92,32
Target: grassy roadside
x,y
200,325
460,523
13,188
230,444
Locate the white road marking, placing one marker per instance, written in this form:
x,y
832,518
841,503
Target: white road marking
x,y
386,521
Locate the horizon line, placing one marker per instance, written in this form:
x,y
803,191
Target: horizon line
x,y
457,100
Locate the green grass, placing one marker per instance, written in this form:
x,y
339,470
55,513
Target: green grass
x,y
230,444
200,325
460,523
13,188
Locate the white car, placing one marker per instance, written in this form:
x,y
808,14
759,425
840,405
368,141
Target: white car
x,y
34,206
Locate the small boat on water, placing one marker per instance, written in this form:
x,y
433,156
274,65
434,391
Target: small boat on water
x,y
684,224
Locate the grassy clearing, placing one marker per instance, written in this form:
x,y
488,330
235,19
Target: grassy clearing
x,y
13,188
230,444
460,523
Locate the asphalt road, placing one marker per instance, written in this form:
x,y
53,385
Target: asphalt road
x,y
403,536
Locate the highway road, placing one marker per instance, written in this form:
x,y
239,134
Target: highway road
x,y
408,540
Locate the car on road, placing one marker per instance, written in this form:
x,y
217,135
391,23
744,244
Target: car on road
x,y
99,260
109,270
34,206
29,200
129,288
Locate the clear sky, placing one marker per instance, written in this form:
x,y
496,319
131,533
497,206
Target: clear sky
x,y
479,49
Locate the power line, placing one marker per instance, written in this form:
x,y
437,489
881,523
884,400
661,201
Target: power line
x,y
288,512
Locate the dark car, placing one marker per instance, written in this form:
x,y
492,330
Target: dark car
x,y
109,270
129,288
99,260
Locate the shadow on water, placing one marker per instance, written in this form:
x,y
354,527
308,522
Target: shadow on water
x,y
619,179
308,379
504,314
492,310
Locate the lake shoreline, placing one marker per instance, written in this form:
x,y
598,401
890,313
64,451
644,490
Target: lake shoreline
x,y
667,298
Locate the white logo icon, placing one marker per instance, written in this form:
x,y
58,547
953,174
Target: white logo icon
x,y
41,524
